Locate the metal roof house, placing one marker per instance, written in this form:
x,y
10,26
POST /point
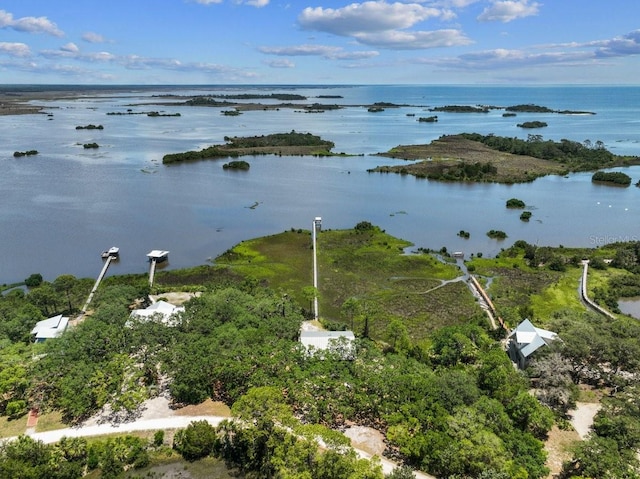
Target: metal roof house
x,y
160,311
316,342
526,339
49,328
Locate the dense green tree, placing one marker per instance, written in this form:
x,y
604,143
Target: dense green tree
x,y
195,441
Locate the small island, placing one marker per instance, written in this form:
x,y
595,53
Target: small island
x,y
154,114
532,124
18,154
464,234
292,143
515,203
237,165
90,127
525,216
90,145
529,108
496,234
461,109
428,119
490,158
616,178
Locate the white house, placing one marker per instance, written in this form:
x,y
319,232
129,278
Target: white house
x,y
527,339
317,341
49,328
160,311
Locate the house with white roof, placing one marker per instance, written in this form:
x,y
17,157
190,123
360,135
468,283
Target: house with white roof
x,y
526,339
316,342
49,328
160,311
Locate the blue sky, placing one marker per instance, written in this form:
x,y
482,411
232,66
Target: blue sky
x,y
320,41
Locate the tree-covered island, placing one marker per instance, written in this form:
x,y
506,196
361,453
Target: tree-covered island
x,y
613,177
19,154
293,143
490,158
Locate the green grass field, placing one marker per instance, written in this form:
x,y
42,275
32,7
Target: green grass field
x,y
370,266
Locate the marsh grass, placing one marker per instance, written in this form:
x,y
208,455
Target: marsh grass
x,y
370,266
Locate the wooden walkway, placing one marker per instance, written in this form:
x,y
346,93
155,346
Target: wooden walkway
x,y
583,293
152,270
486,301
105,267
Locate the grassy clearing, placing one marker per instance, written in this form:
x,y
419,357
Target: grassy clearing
x,y
176,467
599,278
12,427
564,294
515,285
50,422
368,265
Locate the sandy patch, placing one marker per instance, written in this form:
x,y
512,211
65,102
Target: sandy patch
x,y
366,439
311,326
206,408
557,447
175,298
582,417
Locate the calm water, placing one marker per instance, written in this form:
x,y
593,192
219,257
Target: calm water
x,y
61,208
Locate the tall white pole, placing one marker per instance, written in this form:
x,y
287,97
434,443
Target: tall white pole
x,y
315,272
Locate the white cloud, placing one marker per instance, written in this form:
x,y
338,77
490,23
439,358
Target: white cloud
x,y
365,17
384,25
281,63
508,10
92,37
332,53
15,49
208,2
254,3
407,40
29,24
504,59
70,47
625,45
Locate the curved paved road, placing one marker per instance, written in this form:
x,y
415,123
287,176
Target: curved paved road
x,y
172,422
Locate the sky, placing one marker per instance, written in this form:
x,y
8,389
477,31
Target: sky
x,y
513,42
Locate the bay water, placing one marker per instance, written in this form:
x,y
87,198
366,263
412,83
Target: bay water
x,y
61,208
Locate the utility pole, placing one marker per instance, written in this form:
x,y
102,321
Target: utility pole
x,y
317,225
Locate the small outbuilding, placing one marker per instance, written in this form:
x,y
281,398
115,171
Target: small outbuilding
x,y
337,341
526,339
158,255
160,311
49,328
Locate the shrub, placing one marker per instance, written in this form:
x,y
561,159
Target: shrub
x,y
195,441
158,438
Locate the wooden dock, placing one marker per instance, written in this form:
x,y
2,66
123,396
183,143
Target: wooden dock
x,y
156,256
111,255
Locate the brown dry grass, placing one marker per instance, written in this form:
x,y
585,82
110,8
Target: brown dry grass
x,y
449,149
557,446
206,408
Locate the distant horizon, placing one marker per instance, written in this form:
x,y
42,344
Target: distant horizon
x,y
327,42
324,85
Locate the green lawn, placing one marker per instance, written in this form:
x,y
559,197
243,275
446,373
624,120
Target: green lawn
x,y
12,427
